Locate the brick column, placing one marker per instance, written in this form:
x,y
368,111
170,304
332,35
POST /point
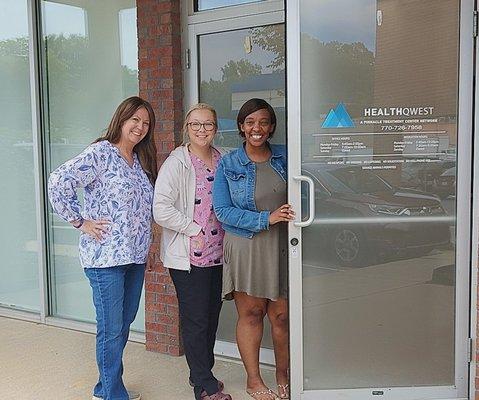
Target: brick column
x,y
160,76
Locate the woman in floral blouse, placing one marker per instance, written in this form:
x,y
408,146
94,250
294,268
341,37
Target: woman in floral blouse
x,y
192,244
116,172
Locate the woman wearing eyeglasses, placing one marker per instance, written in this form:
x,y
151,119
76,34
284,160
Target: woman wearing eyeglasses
x,y
192,244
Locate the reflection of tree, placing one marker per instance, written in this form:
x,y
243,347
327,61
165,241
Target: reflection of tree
x,y
236,71
218,92
71,100
271,38
15,92
336,72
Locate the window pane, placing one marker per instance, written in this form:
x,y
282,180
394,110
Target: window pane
x,y
201,5
91,66
236,66
18,230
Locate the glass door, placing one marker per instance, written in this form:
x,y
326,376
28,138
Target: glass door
x,y
379,95
232,60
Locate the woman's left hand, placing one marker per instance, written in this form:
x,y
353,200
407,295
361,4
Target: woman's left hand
x,y
283,214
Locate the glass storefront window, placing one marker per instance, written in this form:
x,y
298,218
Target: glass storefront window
x,y
201,5
19,286
91,66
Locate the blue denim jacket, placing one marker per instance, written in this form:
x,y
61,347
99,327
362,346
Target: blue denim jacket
x,y
233,191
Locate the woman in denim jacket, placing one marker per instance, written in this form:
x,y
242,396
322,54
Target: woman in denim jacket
x,y
249,198
192,244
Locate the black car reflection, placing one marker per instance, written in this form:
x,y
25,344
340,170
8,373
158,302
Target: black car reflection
x,y
349,201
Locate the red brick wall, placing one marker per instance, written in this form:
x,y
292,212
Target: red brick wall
x,y
160,75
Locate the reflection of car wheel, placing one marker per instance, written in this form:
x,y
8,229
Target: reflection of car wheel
x,y
349,247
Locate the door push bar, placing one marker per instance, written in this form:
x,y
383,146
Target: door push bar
x,y
309,221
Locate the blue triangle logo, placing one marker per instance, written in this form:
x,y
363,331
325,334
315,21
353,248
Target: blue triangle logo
x,y
338,118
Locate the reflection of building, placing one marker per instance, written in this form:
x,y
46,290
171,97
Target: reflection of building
x,y
416,66
416,61
416,55
266,86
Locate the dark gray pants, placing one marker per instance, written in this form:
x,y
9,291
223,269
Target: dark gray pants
x,y
199,299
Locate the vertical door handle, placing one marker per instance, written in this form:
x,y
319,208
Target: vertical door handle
x,y
309,221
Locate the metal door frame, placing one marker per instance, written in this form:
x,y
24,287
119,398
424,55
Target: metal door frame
x,y
463,223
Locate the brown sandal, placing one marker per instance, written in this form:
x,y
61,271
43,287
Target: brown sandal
x,y
268,392
283,391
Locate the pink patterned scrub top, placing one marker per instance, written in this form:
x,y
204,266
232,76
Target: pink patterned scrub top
x,y
206,248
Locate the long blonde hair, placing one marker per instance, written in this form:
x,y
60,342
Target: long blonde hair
x,y
194,107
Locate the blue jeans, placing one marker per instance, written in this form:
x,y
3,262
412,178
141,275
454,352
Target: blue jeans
x,y
116,296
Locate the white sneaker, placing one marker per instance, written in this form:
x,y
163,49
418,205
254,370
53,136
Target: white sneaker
x,y
131,396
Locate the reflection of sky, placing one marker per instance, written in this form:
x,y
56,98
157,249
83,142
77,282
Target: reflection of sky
x,y
59,18
67,20
128,38
208,4
345,21
64,19
219,48
13,19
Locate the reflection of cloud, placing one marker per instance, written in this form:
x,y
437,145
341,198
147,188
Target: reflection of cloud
x,y
345,21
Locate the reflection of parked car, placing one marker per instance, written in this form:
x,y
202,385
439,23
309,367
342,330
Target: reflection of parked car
x,y
425,176
352,200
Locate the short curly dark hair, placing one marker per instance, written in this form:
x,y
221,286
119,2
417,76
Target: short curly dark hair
x,y
251,106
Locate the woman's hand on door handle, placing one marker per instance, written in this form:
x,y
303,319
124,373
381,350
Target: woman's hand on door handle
x,y
282,214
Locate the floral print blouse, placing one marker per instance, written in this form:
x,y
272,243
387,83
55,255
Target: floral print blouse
x,y
206,248
113,191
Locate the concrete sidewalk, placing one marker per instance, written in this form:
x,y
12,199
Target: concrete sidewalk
x,y
39,362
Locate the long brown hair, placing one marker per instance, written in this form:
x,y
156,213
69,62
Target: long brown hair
x,y
146,149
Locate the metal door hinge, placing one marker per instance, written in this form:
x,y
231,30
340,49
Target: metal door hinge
x,y
474,24
470,349
187,59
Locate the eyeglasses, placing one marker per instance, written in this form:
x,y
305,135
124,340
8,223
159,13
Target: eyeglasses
x,y
196,126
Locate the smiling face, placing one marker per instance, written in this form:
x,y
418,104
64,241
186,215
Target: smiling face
x,y
135,128
201,127
257,127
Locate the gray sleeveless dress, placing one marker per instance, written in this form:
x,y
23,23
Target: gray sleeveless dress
x,y
259,266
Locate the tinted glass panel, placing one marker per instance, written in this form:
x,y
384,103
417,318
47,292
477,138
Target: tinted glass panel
x,y
19,287
91,66
238,65
234,67
379,134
